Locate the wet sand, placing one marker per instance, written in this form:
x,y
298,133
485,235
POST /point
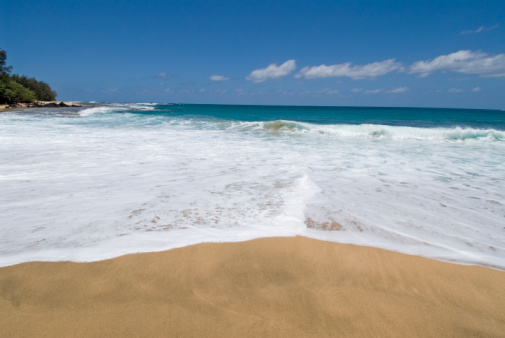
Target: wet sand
x,y
278,287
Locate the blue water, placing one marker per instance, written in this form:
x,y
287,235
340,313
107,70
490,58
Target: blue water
x,y
110,179
411,117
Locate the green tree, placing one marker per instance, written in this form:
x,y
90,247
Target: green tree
x,y
4,70
41,89
11,91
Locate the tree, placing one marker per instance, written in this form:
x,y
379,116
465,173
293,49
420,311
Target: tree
x,y
4,70
11,91
41,89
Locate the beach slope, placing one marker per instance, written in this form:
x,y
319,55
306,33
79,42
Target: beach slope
x,y
294,287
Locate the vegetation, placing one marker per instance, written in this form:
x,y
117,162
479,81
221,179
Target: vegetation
x,y
11,91
16,88
41,89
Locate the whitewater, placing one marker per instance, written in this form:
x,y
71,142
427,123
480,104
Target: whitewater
x,y
91,183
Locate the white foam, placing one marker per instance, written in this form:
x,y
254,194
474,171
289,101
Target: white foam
x,y
117,107
376,131
105,184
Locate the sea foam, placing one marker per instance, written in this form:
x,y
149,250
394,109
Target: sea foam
x,y
133,178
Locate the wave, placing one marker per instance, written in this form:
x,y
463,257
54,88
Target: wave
x,y
289,127
374,131
118,107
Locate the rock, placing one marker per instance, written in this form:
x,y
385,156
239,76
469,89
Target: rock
x,y
17,105
51,104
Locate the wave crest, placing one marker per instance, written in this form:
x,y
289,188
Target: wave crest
x,y
116,108
375,131
281,125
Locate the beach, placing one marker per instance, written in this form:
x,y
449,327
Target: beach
x,y
182,220
252,169
282,287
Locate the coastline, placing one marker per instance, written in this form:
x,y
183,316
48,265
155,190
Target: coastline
x,y
264,287
39,104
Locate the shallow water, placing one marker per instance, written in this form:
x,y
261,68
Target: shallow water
x,y
93,183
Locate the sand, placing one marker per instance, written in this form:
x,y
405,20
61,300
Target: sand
x,y
271,287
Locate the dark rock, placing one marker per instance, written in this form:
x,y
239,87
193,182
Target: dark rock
x,y
17,105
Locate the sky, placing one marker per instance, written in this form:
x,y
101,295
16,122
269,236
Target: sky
x,y
331,53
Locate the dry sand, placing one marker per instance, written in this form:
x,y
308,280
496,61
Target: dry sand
x,y
278,287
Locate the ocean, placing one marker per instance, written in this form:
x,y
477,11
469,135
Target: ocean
x,y
104,180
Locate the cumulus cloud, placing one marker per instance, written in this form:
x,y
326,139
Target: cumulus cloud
x,y
272,71
370,70
479,30
455,90
218,78
463,61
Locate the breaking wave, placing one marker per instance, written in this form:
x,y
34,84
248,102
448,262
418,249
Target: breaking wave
x,y
377,132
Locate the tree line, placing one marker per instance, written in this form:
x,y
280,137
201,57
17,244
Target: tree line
x,y
20,88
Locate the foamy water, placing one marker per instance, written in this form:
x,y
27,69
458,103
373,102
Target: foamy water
x,y
100,182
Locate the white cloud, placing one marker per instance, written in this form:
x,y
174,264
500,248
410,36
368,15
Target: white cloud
x,y
476,89
479,30
218,78
455,90
370,70
398,90
463,61
272,71
377,91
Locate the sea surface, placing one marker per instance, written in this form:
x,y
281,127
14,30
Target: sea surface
x,y
91,183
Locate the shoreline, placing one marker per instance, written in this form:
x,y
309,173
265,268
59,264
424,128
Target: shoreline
x,y
72,258
289,286
39,104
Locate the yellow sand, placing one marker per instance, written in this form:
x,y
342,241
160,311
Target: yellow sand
x,y
273,287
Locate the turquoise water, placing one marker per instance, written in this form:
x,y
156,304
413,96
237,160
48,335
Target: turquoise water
x,y
109,179
412,117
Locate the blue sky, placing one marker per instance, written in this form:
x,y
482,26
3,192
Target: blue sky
x,y
358,53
